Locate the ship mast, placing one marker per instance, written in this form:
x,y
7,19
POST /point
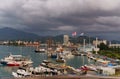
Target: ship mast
x,y
96,45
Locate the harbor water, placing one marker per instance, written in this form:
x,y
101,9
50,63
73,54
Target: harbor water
x,y
37,58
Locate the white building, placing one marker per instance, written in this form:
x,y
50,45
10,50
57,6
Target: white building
x,y
86,48
99,42
66,40
106,71
114,45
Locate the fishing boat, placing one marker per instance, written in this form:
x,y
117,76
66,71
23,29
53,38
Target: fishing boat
x,y
40,50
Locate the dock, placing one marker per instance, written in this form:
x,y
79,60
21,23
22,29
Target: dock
x,y
69,77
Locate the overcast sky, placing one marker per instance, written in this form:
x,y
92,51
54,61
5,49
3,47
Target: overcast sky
x,y
61,16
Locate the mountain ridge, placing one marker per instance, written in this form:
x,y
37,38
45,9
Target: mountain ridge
x,y
14,34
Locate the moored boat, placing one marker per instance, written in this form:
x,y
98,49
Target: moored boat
x,y
2,62
15,60
60,60
52,55
40,50
21,73
46,61
13,63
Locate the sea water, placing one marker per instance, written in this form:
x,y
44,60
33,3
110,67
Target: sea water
x,y
37,58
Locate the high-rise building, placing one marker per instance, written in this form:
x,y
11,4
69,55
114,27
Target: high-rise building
x,y
66,40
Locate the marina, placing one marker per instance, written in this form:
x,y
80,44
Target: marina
x,y
66,62
37,58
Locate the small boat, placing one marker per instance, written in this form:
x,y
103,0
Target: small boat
x,y
52,55
16,75
61,60
46,61
84,68
40,70
39,50
21,73
91,67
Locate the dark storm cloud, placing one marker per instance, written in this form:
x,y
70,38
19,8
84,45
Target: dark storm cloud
x,y
60,16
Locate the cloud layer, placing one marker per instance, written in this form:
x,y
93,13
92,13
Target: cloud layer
x,y
61,16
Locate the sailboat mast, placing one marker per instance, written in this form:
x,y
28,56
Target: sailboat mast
x,y
84,45
96,44
89,41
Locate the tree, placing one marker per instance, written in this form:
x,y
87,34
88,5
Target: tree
x,y
103,46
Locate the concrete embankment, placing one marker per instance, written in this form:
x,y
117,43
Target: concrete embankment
x,y
69,77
